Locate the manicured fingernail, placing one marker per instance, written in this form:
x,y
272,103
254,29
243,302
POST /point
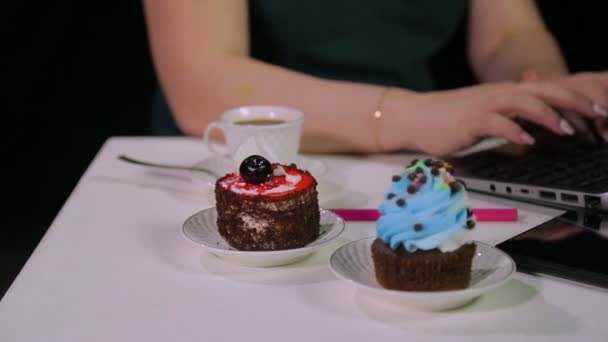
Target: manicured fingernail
x,y
600,110
527,138
566,127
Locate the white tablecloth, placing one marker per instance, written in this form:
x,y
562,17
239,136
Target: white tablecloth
x,y
114,267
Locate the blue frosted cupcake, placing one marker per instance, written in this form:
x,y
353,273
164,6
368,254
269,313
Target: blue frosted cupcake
x,y
424,234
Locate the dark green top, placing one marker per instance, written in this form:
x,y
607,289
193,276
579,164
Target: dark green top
x,y
387,42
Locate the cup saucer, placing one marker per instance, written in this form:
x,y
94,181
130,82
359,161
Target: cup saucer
x,y
201,228
491,268
220,165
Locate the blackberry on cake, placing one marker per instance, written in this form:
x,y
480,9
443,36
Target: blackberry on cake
x,y
267,206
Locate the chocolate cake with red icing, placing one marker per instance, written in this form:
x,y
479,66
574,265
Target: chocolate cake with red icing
x,y
267,206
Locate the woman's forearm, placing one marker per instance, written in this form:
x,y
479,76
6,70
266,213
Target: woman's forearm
x,y
532,50
339,115
507,38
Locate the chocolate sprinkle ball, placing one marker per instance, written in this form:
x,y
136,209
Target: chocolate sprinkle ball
x,y
470,224
400,202
412,176
411,189
390,196
418,227
455,186
414,162
396,178
435,171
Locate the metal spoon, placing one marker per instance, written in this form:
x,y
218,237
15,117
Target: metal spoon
x,y
166,166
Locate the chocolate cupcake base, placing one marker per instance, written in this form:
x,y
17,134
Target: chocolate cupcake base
x,y
422,270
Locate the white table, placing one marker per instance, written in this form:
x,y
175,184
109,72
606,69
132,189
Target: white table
x,y
114,267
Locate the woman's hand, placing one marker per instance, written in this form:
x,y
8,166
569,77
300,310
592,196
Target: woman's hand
x,y
447,121
591,85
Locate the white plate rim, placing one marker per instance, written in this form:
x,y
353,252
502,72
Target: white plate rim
x,y
214,249
399,293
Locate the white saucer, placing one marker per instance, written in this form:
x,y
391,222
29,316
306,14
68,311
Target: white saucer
x,y
201,228
223,165
491,268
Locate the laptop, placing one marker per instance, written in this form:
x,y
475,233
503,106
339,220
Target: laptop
x,y
561,172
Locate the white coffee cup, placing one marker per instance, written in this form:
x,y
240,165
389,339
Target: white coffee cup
x,y
276,130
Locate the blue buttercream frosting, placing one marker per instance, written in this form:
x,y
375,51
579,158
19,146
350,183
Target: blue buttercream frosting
x,y
425,208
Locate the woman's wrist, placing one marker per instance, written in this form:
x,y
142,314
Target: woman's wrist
x,y
395,128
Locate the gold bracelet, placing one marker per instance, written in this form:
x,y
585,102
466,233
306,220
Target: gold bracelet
x,y
377,116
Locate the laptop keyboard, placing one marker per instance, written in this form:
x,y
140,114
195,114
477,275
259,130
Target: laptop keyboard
x,y
575,168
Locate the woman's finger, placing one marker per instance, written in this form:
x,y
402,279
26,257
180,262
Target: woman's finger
x,y
602,128
500,126
581,126
593,89
561,97
530,108
603,77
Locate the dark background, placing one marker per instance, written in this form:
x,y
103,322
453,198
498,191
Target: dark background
x,y
78,72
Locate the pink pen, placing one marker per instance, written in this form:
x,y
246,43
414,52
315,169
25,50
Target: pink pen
x,y
483,215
